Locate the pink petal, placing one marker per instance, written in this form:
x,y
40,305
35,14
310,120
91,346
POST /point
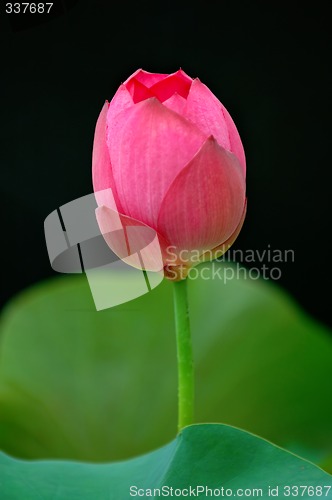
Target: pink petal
x,y
102,176
121,101
138,91
221,249
234,138
149,145
176,103
204,204
132,241
148,79
176,271
207,112
178,82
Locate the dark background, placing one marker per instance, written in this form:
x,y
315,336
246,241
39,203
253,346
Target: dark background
x,y
267,63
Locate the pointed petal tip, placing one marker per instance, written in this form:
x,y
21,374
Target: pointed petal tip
x,y
212,138
132,75
181,72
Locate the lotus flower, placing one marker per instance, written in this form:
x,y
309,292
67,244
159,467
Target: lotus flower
x,y
168,162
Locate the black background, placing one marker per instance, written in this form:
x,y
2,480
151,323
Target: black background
x,y
267,62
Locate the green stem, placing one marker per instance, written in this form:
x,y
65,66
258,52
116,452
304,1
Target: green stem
x,y
184,356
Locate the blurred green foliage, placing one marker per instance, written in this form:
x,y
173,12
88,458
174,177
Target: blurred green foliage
x,y
87,385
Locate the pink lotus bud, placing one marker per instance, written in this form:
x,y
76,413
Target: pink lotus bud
x,y
168,173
